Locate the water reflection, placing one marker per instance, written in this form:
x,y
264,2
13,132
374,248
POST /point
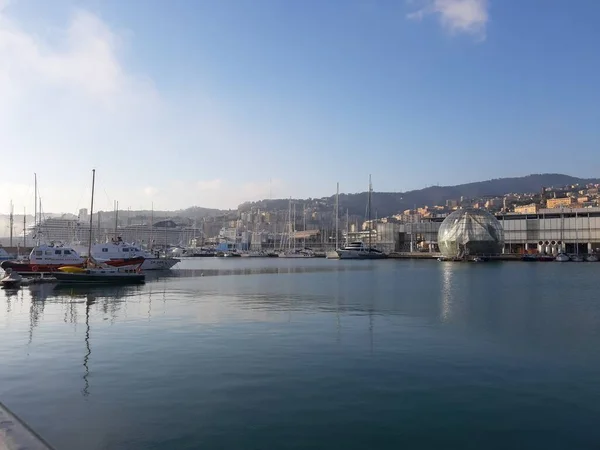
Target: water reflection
x,y
86,389
446,292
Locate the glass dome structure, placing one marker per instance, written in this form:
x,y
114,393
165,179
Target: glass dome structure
x,y
470,232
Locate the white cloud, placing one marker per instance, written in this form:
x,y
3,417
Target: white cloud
x,y
69,103
457,16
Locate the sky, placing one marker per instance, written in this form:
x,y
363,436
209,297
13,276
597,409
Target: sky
x,y
213,103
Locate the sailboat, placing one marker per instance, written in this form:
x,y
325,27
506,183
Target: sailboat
x,y
358,250
333,254
96,272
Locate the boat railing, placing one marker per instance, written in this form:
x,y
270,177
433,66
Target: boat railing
x,y
16,434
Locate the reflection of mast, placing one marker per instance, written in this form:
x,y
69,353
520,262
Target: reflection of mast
x,y
86,389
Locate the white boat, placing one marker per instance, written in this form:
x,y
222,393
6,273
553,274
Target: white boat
x,y
45,258
576,258
117,250
98,272
11,279
358,250
303,253
253,254
561,257
332,254
591,258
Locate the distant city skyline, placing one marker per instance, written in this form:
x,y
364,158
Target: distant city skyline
x,y
216,103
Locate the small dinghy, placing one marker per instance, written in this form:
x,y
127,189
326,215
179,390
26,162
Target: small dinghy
x,y
11,279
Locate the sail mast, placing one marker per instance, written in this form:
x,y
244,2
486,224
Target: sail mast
x,y
337,210
91,214
35,204
369,213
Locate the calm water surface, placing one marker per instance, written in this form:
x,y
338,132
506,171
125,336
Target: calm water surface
x,y
243,353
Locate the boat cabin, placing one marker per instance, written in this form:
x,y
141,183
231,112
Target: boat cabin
x,y
54,254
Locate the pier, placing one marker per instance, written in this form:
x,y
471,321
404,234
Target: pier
x,y
16,435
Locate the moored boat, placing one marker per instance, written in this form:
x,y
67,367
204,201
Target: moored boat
x,y
591,258
94,272
98,275
121,254
11,279
358,250
561,257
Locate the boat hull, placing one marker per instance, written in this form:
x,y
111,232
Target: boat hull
x,y
26,268
85,278
159,263
360,254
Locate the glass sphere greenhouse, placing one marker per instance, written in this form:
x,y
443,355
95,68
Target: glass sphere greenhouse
x,y
470,232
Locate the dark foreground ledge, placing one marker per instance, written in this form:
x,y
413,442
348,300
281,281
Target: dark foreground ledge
x,y
16,435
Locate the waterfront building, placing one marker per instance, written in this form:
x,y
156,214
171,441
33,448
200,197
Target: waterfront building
x,y
574,230
470,232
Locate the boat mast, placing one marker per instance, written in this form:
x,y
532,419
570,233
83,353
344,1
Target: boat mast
x,y
35,204
152,227
347,228
24,228
304,224
91,214
337,211
116,219
11,222
369,212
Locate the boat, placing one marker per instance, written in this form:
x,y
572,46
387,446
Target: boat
x,y
576,258
119,251
47,258
94,272
591,258
201,252
100,274
301,253
357,249
561,257
333,254
11,279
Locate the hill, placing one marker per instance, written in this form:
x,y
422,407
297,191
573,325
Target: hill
x,y
389,203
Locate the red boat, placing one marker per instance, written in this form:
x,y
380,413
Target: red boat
x,y
48,258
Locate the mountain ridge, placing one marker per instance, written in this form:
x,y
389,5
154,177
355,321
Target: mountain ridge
x,y
388,203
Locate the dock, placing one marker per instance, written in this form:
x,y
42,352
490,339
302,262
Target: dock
x,y
16,435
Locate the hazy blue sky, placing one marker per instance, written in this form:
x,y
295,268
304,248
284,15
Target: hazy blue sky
x,y
186,102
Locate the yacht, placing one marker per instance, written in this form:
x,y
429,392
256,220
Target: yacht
x,y
116,250
576,258
591,258
358,250
561,257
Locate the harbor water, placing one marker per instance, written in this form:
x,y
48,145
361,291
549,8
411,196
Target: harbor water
x,y
253,353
